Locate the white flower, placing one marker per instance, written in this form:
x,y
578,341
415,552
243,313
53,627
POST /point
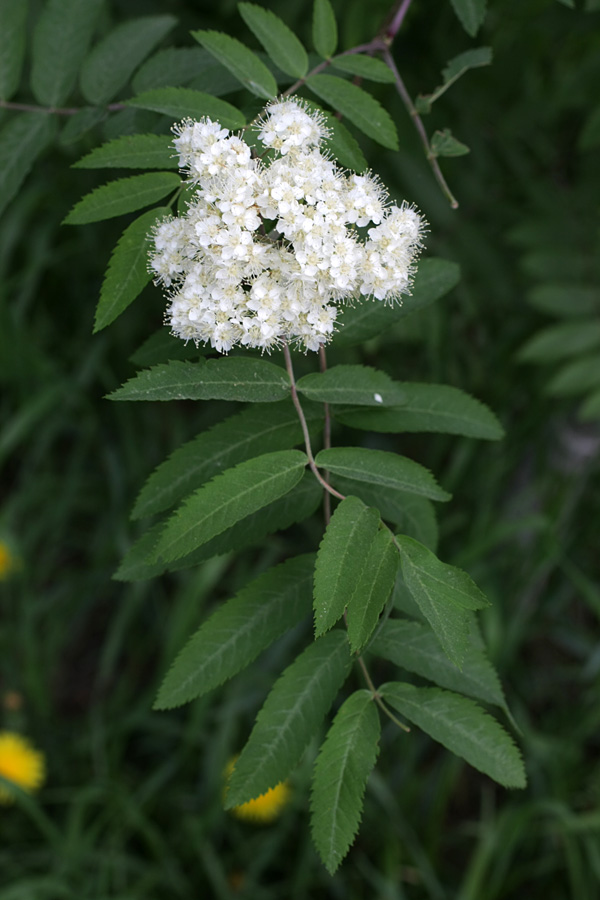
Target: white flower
x,y
231,282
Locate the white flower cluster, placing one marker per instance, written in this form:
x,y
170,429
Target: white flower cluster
x,y
269,247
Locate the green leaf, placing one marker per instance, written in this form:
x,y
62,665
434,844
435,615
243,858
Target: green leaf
x,y
590,133
115,58
280,43
171,67
443,593
561,341
268,427
226,378
360,385
364,66
132,151
22,140
358,106
182,103
461,726
414,647
13,15
397,473
444,144
471,14
413,515
324,29
590,408
344,145
127,274
227,499
341,559
434,279
239,630
82,122
343,766
60,43
427,407
290,717
241,62
470,59
124,195
372,589
576,377
566,300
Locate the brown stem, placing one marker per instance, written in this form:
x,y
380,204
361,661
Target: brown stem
x,y
53,110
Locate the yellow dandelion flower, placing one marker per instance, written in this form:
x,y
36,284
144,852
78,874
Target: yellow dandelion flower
x,y
19,763
8,561
263,809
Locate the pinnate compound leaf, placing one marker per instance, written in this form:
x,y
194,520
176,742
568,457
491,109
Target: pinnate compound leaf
x,y
356,385
181,103
341,559
279,41
124,195
359,107
227,499
60,43
115,58
227,378
342,769
434,278
373,588
397,473
444,594
471,14
127,274
364,66
242,436
438,408
241,62
13,15
22,140
461,726
239,630
324,29
414,647
470,59
290,717
132,151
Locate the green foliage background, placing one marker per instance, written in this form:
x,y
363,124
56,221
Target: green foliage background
x,y
133,804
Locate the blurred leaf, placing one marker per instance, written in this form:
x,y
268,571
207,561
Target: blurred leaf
x,y
13,16
115,58
60,43
443,593
273,426
362,109
590,408
281,44
380,467
565,299
427,407
414,647
127,274
171,67
364,66
343,766
290,717
434,278
182,103
471,14
461,726
324,28
226,378
372,589
360,385
124,195
470,59
239,630
341,559
576,377
241,62
227,499
560,341
590,133
79,124
22,140
444,144
132,151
